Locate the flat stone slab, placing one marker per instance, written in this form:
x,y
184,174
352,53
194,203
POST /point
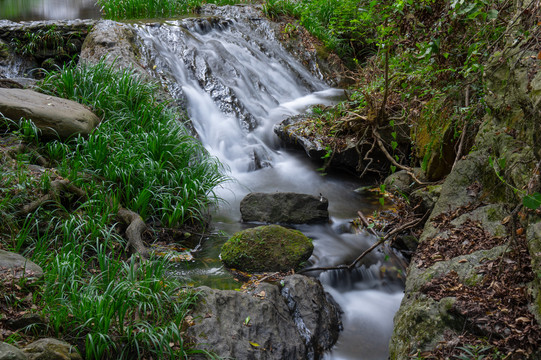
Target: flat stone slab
x,y
54,116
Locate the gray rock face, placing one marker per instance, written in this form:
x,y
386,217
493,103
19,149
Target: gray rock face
x,y
10,352
55,117
288,208
18,266
296,321
51,349
114,42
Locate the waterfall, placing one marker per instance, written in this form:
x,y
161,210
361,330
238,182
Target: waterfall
x,y
237,82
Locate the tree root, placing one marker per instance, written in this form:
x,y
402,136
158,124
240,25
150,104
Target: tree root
x,y
135,223
136,226
57,187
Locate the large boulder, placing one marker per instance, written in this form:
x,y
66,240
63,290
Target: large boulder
x,y
266,248
18,266
55,117
10,352
293,320
287,208
51,349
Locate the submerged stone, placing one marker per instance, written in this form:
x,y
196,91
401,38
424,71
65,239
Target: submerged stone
x,y
266,248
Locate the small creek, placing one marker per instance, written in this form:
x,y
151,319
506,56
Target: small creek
x,y
237,83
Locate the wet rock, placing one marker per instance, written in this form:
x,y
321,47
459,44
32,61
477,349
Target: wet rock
x,y
51,349
293,134
18,266
288,208
115,43
53,42
317,324
55,117
266,248
10,352
296,321
13,65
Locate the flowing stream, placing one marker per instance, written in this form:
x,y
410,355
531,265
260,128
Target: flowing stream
x,y
238,82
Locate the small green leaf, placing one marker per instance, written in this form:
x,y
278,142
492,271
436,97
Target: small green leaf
x,y
394,144
492,14
247,320
501,163
254,344
371,225
393,134
532,201
393,169
382,201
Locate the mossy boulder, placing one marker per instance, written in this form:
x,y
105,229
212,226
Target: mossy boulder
x,y
266,248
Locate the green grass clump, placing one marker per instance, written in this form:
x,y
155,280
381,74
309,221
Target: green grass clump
x,y
140,157
148,161
145,9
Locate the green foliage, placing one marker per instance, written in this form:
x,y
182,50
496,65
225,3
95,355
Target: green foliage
x,y
145,156
476,352
48,44
145,9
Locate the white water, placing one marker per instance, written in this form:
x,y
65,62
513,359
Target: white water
x,y
238,83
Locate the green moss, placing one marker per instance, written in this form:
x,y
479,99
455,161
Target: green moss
x,y
266,248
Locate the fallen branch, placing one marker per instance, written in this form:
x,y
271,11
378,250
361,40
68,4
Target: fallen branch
x,y
408,170
381,240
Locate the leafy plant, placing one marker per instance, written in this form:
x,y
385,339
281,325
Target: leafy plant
x,y
148,160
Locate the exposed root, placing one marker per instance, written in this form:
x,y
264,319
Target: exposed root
x,y
57,188
136,226
135,223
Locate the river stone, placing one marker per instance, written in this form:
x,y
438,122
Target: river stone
x,y
51,349
54,116
293,321
266,248
288,208
10,352
18,266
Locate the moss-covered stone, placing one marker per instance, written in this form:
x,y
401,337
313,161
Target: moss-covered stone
x,y
266,248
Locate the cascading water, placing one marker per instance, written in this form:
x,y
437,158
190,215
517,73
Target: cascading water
x,y
237,82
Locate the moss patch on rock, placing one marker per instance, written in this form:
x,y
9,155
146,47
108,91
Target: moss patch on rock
x,y
266,248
